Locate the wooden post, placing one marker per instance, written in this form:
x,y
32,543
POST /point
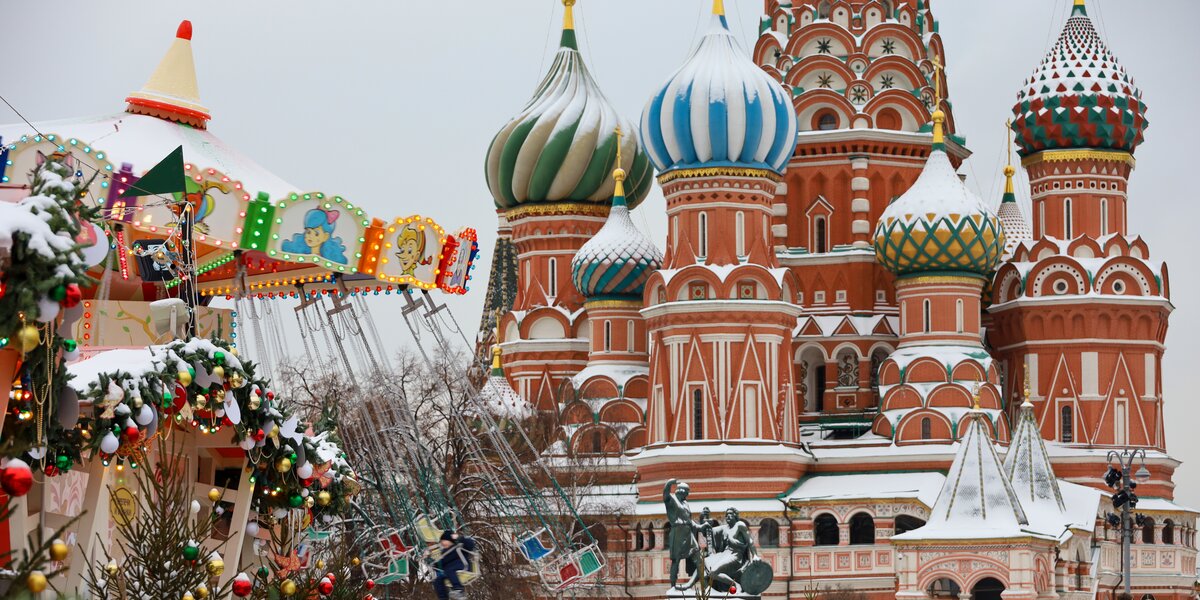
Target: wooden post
x,y
237,527
93,521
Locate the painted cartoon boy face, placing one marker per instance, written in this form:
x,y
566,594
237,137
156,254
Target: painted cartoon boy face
x,y
408,253
315,236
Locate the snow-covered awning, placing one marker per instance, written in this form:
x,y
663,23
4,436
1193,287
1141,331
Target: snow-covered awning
x,y
922,487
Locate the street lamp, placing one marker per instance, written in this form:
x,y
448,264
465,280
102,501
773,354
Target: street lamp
x,y
1125,499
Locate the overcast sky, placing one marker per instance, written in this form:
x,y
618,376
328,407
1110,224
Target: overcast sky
x,y
392,104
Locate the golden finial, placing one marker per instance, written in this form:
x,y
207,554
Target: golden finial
x,y
975,396
1009,170
1026,402
496,356
938,116
719,7
569,14
619,173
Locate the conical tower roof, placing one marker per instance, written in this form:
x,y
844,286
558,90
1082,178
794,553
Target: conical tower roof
x,y
1028,468
977,500
498,398
1016,228
561,147
171,92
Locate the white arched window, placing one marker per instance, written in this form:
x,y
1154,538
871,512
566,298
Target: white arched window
x,y
553,281
740,233
958,315
1104,216
927,316
1068,229
608,336
703,241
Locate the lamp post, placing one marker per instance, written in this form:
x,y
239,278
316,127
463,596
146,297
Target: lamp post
x,y
1118,477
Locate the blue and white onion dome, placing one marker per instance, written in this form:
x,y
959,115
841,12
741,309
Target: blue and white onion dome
x,y
720,110
618,260
561,147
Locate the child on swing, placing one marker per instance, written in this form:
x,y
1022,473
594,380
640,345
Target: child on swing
x,y
456,556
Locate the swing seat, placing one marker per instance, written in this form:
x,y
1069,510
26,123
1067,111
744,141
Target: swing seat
x,y
532,547
397,571
393,545
429,534
472,573
589,560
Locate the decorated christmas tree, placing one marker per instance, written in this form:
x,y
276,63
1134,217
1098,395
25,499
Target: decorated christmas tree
x,y
303,563
163,546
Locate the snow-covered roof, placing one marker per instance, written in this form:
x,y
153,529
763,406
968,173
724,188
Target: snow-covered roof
x,y
619,374
923,487
500,400
716,506
1161,505
143,141
977,500
1028,467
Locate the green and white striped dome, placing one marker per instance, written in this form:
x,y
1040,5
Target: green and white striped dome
x,y
563,145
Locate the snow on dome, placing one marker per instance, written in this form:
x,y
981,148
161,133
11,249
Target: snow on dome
x,y
1079,96
562,146
171,91
618,260
498,398
938,225
977,500
720,109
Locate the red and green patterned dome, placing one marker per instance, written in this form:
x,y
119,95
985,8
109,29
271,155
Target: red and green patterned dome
x,y
1079,97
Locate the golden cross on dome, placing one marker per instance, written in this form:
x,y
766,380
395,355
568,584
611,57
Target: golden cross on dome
x,y
620,134
975,396
1026,391
938,71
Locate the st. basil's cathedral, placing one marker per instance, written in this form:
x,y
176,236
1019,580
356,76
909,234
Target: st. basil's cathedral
x,y
908,391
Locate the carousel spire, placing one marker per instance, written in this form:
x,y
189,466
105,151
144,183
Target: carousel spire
x,y
171,92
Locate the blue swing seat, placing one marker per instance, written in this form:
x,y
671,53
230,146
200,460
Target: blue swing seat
x,y
532,547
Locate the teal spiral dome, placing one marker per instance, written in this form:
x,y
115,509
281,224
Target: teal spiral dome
x,y
616,263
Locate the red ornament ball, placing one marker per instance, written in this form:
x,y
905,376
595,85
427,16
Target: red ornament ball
x,y
259,435
132,432
51,470
16,478
73,295
325,587
242,586
370,584
330,577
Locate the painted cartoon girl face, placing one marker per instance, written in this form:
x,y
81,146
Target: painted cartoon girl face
x,y
314,237
408,253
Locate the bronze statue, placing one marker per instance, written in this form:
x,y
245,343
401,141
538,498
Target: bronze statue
x,y
731,563
682,540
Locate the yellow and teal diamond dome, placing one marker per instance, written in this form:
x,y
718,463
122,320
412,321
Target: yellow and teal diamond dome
x,y
939,226
561,147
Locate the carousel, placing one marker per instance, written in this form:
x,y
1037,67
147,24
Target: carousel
x,y
193,256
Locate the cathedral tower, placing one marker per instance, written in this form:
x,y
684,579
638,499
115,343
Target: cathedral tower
x,y
1081,309
720,131
547,170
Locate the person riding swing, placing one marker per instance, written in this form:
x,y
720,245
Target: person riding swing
x,y
456,554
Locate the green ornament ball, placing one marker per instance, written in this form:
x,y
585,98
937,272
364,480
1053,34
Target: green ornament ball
x,y
263,572
296,501
70,345
59,293
63,462
191,551
219,357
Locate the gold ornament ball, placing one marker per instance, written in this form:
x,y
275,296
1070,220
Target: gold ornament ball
x,y
283,465
355,561
28,338
201,591
185,378
138,402
308,502
201,401
215,567
236,380
324,498
58,550
111,568
36,582
288,587
214,494
255,402
219,372
320,563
